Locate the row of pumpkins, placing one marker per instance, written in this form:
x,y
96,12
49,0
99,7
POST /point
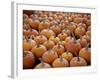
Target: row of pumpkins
x,y
56,39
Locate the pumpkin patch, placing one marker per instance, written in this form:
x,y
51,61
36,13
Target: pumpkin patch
x,y
56,39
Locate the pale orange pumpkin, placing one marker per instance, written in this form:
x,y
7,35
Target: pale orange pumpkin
x,y
47,32
86,54
28,60
59,49
39,50
49,56
28,44
60,62
67,55
49,44
73,45
78,61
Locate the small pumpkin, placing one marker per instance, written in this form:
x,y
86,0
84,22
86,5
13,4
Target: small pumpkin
x,y
40,39
73,45
28,44
28,60
59,49
39,50
82,41
43,25
42,65
49,56
86,54
47,32
67,55
78,61
79,31
54,39
56,29
71,26
34,24
60,62
49,44
62,36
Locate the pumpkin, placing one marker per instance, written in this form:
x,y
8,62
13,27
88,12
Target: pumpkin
x,y
34,24
28,44
60,62
86,54
39,50
82,41
71,26
78,61
40,39
67,55
62,36
73,45
56,29
79,31
49,56
49,44
47,32
42,65
54,39
43,25
59,49
28,60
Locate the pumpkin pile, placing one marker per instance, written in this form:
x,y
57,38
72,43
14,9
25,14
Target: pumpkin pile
x,y
56,39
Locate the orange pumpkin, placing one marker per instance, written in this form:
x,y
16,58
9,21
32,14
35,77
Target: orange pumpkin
x,y
82,41
42,65
78,61
40,39
79,31
28,44
39,50
54,39
71,26
56,29
67,55
62,36
28,60
49,44
59,49
60,62
43,25
34,24
47,32
73,45
49,56
86,54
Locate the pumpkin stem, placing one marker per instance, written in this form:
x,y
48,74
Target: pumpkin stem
x,y
87,46
58,45
61,59
32,37
74,37
41,62
78,59
26,38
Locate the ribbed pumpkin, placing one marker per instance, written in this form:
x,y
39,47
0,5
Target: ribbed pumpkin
x,y
39,50
67,55
59,49
49,56
60,62
86,54
42,65
28,60
78,61
28,44
72,45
